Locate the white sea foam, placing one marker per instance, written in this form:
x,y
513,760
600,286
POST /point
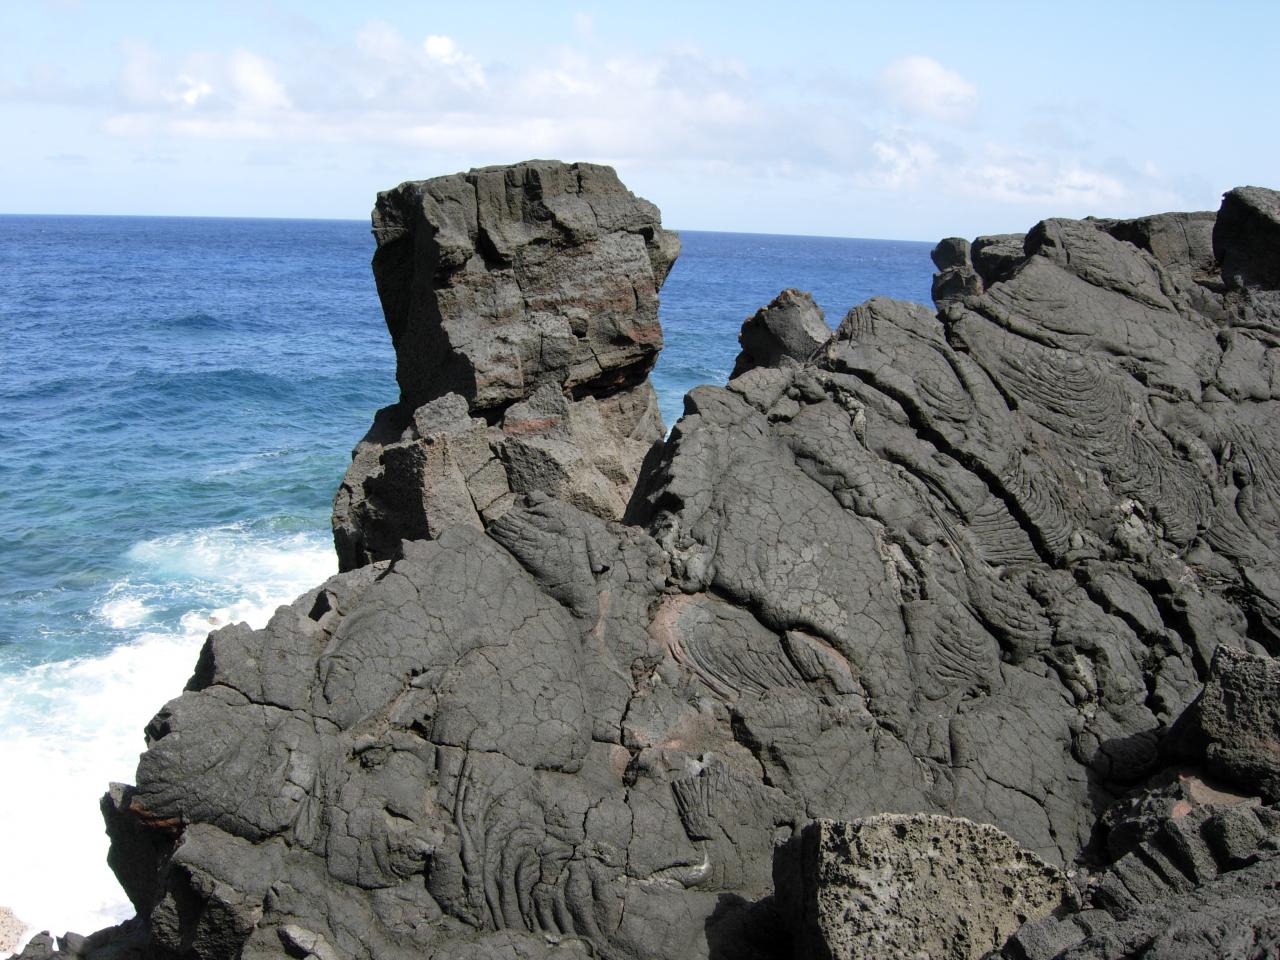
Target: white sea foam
x,y
123,612
67,729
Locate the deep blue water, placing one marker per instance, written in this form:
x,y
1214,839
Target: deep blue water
x,y
178,400
723,278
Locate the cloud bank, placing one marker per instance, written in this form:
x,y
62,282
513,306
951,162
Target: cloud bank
x,y
911,127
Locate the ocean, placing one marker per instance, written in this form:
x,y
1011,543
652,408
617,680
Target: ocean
x,y
178,401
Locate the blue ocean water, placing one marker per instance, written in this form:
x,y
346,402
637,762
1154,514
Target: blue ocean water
x,y
178,400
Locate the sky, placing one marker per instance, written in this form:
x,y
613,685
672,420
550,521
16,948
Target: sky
x,y
904,120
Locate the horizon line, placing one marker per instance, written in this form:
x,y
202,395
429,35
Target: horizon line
x,y
206,216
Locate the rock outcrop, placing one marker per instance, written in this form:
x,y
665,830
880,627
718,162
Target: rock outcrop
x,y
1014,561
791,327
522,302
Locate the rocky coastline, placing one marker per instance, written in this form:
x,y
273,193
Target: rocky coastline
x,y
949,633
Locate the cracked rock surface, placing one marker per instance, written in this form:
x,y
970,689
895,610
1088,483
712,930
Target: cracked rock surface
x,y
1013,561
522,302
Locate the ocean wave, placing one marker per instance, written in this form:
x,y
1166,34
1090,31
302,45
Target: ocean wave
x,y
69,728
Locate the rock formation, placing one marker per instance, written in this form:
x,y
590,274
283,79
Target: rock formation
x,y
522,302
791,327
1013,561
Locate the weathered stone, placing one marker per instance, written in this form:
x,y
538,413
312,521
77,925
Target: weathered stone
x,y
791,326
1200,886
1235,724
499,285
1246,236
955,283
499,280
1178,240
995,256
920,886
951,252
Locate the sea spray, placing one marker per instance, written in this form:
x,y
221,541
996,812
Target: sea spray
x,y
68,728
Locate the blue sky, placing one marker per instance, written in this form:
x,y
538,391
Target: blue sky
x,y
904,120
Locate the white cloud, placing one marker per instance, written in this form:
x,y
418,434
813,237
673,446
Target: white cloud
x,y
1015,177
190,90
381,88
921,85
676,107
464,70
240,82
381,41
900,162
254,80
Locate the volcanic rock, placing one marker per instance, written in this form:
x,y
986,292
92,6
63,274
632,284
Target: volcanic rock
x,y
11,929
500,285
1200,886
995,256
950,252
920,886
976,561
956,278
1234,726
791,326
497,281
1246,237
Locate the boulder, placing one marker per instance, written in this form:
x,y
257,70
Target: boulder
x,y
920,886
1246,237
499,280
995,256
956,278
1234,725
951,252
791,327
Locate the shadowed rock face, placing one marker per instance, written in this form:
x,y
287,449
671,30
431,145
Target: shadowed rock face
x,y
974,562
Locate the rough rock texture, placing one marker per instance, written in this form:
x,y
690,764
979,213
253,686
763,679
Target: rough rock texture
x,y
791,326
128,941
956,276
974,562
11,929
995,257
499,286
1193,875
920,886
1234,726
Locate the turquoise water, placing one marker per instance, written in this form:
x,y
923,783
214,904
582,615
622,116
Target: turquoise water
x,y
178,401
